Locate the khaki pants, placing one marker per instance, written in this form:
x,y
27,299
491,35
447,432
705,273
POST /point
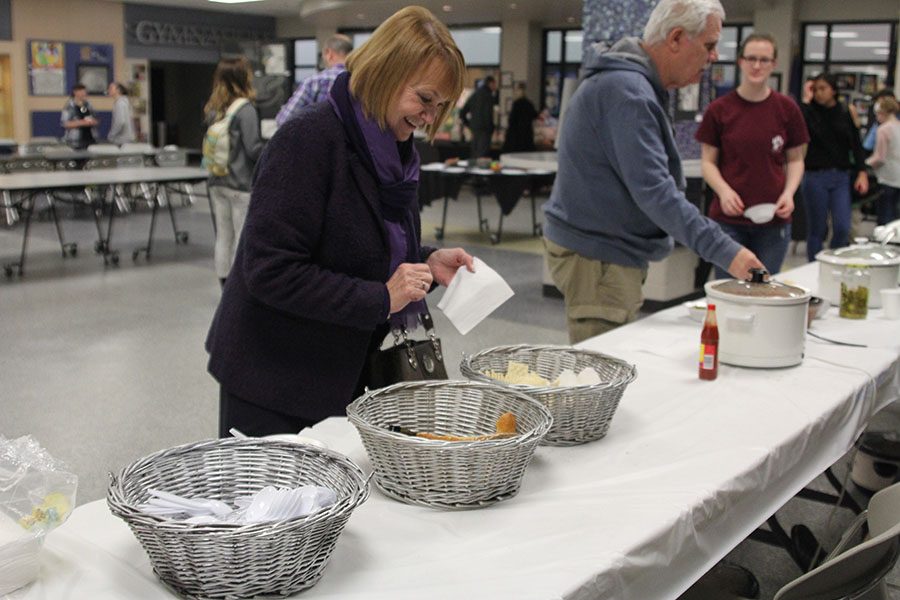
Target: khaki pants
x,y
599,296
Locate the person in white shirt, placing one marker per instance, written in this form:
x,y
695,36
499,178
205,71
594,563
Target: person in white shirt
x,y
885,159
121,130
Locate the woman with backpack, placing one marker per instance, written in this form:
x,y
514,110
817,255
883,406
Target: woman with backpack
x,y
230,151
833,140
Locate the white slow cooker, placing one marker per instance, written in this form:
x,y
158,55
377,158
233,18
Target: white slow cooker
x,y
883,263
761,323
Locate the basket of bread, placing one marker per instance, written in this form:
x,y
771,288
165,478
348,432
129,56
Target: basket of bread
x,y
449,444
580,388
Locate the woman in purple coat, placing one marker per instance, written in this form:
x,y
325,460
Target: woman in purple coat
x,y
330,257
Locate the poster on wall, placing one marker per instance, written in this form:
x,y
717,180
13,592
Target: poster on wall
x,y
48,72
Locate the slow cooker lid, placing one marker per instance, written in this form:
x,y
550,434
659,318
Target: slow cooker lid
x,y
756,287
861,254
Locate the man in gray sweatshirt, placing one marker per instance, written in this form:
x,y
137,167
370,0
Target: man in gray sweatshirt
x,y
618,200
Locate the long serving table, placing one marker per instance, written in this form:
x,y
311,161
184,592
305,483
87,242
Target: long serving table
x,y
689,468
18,192
507,185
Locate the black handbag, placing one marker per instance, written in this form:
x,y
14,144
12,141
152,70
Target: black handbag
x,y
407,360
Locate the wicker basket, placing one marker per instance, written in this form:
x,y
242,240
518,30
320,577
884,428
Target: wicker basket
x,y
448,475
580,414
228,560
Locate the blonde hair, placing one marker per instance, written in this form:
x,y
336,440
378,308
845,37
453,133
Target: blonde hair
x,y
886,105
233,79
410,39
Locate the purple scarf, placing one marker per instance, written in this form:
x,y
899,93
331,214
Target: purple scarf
x,y
395,166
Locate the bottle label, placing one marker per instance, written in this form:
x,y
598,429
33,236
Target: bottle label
x,y
707,356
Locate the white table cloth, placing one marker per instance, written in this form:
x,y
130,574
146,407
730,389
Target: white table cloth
x,y
688,469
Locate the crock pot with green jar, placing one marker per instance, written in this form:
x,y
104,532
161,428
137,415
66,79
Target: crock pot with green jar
x,y
883,263
761,323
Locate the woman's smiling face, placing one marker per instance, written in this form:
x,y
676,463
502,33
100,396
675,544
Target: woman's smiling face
x,y
418,102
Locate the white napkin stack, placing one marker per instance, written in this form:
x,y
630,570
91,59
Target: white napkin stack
x,y
471,297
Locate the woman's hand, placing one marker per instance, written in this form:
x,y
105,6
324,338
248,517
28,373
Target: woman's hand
x,y
861,185
784,206
731,203
445,262
409,283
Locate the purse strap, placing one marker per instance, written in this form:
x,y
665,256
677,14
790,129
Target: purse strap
x,y
401,336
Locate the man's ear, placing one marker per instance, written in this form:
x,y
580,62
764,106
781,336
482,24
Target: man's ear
x,y
674,38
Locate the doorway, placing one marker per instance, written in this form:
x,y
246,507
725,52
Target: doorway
x,y
178,92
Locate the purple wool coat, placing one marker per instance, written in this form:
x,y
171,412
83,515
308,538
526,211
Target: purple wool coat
x,y
306,297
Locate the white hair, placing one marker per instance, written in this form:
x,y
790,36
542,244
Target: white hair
x,y
691,15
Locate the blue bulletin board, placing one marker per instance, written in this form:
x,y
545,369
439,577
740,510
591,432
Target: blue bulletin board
x,y
54,67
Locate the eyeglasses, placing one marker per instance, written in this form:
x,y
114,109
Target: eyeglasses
x,y
763,61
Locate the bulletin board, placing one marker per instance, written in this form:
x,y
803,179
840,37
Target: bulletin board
x,y
55,66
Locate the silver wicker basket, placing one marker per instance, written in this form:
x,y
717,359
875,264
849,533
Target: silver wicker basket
x,y
581,413
447,475
229,560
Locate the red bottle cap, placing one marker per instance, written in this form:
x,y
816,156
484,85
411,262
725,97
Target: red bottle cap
x,y
711,306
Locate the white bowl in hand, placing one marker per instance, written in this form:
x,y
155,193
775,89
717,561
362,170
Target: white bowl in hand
x,y
761,213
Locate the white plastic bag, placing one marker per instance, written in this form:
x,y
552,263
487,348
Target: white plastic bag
x,y
37,493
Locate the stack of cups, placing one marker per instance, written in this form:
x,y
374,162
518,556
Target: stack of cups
x,y
890,302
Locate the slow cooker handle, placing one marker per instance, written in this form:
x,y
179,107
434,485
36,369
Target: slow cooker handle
x,y
758,275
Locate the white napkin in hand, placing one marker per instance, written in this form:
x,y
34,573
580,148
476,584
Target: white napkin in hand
x,y
471,297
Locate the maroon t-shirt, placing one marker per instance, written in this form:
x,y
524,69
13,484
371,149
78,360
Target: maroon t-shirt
x,y
752,138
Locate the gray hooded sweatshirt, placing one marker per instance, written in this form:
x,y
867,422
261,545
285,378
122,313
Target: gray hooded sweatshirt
x,y
618,195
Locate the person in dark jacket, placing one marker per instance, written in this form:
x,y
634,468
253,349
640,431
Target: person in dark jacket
x,y
478,115
833,139
330,259
520,129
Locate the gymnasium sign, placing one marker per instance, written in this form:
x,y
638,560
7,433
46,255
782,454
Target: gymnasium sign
x,y
158,33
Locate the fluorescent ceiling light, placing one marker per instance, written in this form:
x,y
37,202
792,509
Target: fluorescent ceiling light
x,y
234,1
881,51
495,30
817,55
835,34
730,44
866,44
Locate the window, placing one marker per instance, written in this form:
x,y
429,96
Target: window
x,y
306,58
480,46
562,59
725,74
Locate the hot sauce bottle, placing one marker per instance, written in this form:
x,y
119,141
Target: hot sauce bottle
x,y
709,345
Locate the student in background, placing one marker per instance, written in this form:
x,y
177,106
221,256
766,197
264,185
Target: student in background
x,y
78,119
121,130
885,159
834,158
230,193
752,142
520,126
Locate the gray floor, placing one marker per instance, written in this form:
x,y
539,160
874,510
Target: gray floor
x,y
104,365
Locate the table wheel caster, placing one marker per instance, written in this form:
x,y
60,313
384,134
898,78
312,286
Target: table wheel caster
x,y
495,239
135,254
181,237
8,270
483,226
439,233
114,257
100,247
70,249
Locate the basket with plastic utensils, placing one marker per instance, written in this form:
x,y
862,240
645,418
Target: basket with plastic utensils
x,y
233,560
